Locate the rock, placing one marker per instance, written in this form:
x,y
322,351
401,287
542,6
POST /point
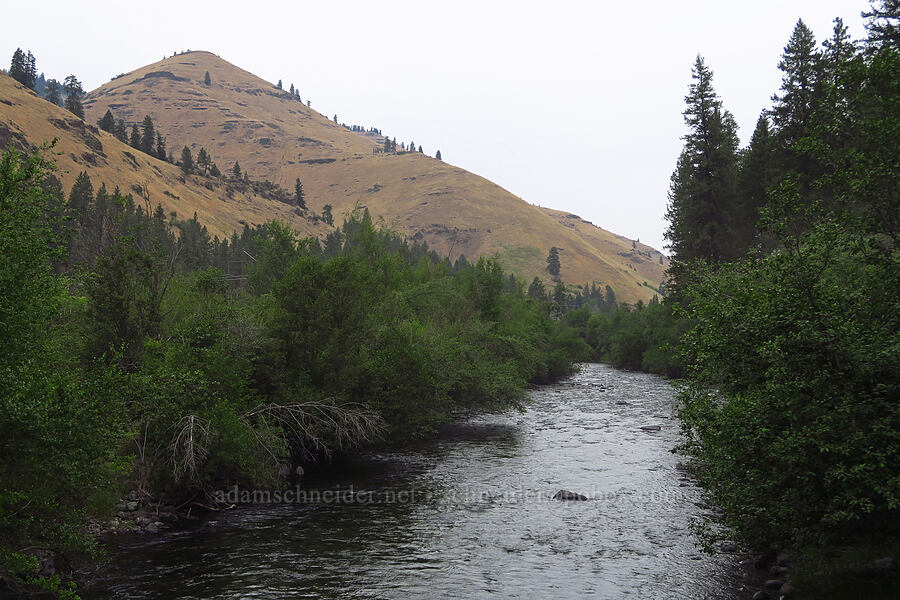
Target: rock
x,y
787,590
157,524
567,495
121,505
621,403
774,584
114,523
132,495
778,570
651,428
142,521
761,596
131,506
729,547
152,528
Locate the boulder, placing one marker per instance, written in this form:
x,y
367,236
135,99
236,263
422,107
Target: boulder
x,y
131,506
774,584
651,428
567,495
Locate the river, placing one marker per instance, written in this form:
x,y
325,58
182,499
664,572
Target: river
x,y
466,514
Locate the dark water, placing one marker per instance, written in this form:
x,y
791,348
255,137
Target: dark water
x,y
467,515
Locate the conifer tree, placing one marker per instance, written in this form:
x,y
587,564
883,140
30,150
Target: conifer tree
x,y
18,67
800,65
420,149
387,145
536,290
326,214
214,170
299,199
553,265
107,122
437,155
121,131
187,160
160,147
278,85
203,160
206,79
72,88
883,24
758,172
80,197
703,185
51,92
135,141
236,171
148,136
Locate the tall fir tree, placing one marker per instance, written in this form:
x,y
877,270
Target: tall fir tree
x,y
135,141
883,24
437,155
107,122
72,88
800,66
51,92
148,136
299,198
758,172
553,264
703,185
160,147
187,160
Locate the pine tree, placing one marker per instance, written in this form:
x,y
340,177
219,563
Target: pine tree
x,y
51,92
800,65
326,214
187,160
108,122
135,137
437,155
412,146
420,149
30,70
758,172
703,185
18,67
278,85
236,171
148,136
299,199
387,145
214,170
121,131
553,265
206,79
292,89
73,90
883,24
80,197
536,290
160,147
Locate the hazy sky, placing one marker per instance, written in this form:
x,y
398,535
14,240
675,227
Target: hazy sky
x,y
572,105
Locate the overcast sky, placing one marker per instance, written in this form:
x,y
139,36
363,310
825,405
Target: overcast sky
x,y
572,105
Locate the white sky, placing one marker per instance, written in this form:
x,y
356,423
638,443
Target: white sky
x,y
572,105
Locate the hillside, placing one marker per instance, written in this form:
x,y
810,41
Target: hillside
x,y
240,117
27,120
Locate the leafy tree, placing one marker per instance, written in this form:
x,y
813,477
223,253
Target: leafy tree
x,y
51,92
73,90
107,122
326,214
187,161
206,79
437,155
299,199
148,136
553,265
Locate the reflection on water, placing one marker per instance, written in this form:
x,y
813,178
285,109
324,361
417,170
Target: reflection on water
x,y
466,515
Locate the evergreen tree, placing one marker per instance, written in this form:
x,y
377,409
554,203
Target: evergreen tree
x,y
121,131
51,92
135,137
326,214
335,118
236,171
214,170
80,197
72,88
420,149
299,199
206,79
437,155
703,185
203,160
553,265
387,145
148,136
278,85
108,122
883,24
758,172
800,67
187,160
412,146
160,147
536,290
292,89
18,67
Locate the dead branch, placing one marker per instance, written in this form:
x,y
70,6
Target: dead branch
x,y
190,446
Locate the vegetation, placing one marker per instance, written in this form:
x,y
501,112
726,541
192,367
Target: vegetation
x,y
122,340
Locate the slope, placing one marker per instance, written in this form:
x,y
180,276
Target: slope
x,y
240,117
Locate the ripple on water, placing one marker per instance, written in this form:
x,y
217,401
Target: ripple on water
x,y
482,523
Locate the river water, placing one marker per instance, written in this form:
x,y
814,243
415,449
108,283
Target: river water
x,y
467,514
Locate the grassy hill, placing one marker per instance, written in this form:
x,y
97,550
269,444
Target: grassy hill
x,y
240,117
27,120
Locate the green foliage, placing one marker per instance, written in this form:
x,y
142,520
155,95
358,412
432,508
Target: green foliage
x,y
73,90
553,265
